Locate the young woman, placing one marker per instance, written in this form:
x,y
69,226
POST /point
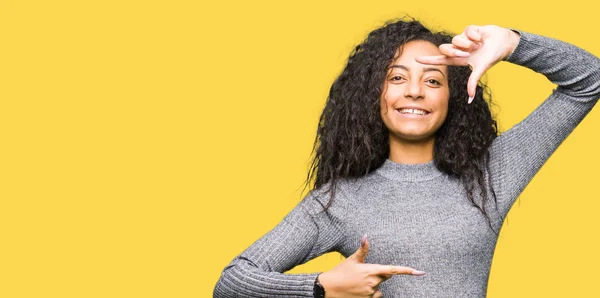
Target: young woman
x,y
408,153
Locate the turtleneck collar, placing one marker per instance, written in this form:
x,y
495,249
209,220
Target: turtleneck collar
x,y
408,172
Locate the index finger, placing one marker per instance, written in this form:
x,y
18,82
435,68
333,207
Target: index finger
x,y
441,60
433,60
394,270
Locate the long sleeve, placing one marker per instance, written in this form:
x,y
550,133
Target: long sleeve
x,y
302,235
518,154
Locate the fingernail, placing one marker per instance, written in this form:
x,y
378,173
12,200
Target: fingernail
x,y
470,99
363,240
417,272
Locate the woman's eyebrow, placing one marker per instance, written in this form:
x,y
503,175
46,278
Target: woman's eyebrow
x,y
398,66
426,69
434,69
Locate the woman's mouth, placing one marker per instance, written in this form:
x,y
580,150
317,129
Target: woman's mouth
x,y
409,111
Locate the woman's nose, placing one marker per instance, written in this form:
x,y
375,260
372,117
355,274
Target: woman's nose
x,y
413,90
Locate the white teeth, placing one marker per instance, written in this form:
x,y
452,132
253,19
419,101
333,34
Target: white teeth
x,y
413,111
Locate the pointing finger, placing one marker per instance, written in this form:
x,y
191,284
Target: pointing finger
x,y
433,60
441,60
393,270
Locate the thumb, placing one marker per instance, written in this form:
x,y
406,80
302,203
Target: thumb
x,y
362,251
476,74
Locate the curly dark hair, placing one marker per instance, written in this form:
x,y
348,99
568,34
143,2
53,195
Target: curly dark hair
x,y
352,139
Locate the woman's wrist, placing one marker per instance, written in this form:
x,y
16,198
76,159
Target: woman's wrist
x,y
513,42
318,290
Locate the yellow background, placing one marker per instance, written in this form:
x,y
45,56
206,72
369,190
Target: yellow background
x,y
144,144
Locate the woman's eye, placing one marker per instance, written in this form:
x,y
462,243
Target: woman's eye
x,y
432,81
396,78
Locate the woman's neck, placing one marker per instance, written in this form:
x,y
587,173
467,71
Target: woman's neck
x,y
407,152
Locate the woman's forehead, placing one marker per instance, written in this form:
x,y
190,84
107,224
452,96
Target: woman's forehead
x,y
416,48
406,54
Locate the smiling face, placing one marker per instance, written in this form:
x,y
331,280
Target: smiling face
x,y
414,101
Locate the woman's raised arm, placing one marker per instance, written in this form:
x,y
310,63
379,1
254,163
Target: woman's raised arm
x,y
519,153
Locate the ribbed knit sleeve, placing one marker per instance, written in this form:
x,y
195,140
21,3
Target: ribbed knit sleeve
x,y
302,235
519,153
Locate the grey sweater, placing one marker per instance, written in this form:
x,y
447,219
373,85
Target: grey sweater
x,y
417,216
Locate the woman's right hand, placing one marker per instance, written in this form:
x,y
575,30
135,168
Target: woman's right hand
x,y
352,278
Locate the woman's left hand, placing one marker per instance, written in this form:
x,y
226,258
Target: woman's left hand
x,y
481,47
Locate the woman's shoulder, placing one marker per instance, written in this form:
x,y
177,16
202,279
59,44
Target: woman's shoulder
x,y
337,195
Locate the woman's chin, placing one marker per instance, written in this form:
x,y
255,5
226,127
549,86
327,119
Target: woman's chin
x,y
413,137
